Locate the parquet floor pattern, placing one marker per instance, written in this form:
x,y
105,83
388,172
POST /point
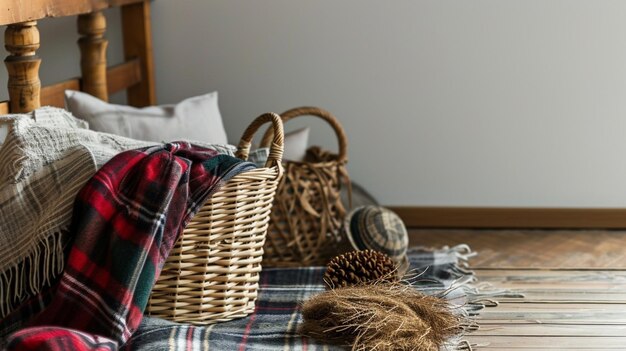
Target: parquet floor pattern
x,y
573,285
533,248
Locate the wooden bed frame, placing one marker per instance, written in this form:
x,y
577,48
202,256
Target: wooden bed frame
x,y
21,39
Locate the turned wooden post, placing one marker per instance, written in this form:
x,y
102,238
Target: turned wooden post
x,y
93,57
22,41
136,28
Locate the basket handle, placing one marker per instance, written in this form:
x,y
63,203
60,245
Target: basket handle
x,y
276,149
318,112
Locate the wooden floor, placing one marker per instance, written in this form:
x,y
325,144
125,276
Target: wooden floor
x,y
533,248
573,285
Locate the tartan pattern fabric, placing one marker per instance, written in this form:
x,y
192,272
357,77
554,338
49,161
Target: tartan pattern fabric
x,y
379,229
55,338
274,323
126,220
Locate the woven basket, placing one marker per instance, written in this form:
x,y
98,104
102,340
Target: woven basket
x,y
308,213
212,273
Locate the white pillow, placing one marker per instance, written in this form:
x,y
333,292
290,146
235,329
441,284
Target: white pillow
x,y
294,148
296,143
197,118
4,130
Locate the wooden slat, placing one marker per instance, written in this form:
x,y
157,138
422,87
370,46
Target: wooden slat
x,y
4,107
598,308
501,217
562,309
136,27
556,271
548,343
16,11
548,296
562,286
123,76
548,317
552,275
550,330
53,95
533,248
119,77
496,322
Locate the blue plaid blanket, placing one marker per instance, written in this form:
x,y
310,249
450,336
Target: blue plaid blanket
x,y
274,323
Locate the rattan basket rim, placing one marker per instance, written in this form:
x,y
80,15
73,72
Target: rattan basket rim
x,y
342,155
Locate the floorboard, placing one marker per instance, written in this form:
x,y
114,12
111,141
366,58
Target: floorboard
x,y
573,285
561,309
533,248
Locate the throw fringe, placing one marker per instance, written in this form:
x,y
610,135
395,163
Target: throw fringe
x,y
37,270
476,295
467,293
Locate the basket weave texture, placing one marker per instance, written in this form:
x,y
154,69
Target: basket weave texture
x,y
306,220
212,273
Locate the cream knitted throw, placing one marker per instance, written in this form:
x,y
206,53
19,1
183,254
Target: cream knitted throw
x,y
47,157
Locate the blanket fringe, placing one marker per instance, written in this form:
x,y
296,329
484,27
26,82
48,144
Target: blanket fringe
x,y
470,295
38,269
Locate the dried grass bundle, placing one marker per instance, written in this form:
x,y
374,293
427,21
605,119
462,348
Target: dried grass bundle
x,y
380,317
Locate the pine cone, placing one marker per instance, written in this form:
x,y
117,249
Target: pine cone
x,y
359,267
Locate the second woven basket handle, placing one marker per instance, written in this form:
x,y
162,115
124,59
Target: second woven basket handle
x,y
276,149
323,114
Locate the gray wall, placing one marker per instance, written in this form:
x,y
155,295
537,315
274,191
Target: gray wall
x,y
479,103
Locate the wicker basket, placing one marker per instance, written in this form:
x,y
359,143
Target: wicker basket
x,y
212,273
308,213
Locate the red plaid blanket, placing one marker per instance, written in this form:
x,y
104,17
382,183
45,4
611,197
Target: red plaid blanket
x,y
126,220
